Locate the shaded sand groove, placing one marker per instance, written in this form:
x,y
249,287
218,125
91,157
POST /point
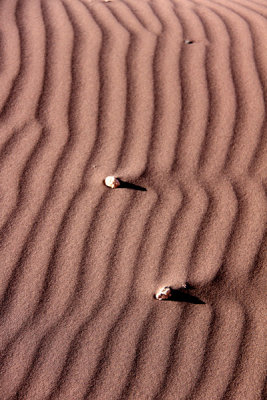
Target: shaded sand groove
x,y
91,88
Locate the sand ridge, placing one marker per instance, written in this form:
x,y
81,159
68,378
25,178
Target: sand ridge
x,y
92,88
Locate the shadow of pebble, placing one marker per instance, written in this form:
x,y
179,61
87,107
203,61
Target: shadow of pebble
x,y
178,295
128,185
181,296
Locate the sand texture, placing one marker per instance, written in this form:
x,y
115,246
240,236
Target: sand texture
x,y
170,96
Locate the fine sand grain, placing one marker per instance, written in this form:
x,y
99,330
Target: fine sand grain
x,y
170,96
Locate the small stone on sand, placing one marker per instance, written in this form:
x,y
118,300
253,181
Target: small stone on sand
x,y
163,293
112,182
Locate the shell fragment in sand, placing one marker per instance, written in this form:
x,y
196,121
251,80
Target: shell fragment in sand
x,y
112,182
163,293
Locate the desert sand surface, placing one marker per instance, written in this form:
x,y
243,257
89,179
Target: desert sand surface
x,y
169,96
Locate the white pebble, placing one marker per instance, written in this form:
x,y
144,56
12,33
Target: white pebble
x,y
163,293
112,182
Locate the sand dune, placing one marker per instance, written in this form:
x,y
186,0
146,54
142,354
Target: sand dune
x,y
171,96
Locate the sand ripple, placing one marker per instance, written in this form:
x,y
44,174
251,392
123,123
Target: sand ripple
x,y
92,88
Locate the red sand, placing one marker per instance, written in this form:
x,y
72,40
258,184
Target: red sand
x,y
94,88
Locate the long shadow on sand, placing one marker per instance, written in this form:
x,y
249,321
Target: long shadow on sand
x,y
128,185
178,295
